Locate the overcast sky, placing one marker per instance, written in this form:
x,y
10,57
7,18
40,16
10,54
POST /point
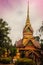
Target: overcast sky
x,y
15,11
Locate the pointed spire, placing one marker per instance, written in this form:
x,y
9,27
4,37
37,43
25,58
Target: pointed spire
x,y
28,11
28,25
28,21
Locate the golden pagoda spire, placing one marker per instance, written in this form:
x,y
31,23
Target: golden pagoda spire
x,y
27,20
28,31
28,39
28,25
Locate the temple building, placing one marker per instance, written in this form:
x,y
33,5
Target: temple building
x,y
28,47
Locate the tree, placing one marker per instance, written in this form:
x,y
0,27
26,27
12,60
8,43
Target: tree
x,y
2,51
13,50
5,40
41,44
41,51
37,38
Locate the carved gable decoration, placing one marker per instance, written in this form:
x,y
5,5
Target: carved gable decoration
x,y
30,43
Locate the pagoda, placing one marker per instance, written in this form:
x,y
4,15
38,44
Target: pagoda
x,y
27,46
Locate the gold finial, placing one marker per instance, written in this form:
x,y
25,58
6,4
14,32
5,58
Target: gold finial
x,y
28,11
28,21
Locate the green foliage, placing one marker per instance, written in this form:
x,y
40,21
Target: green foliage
x,y
2,51
41,46
5,60
13,50
37,38
25,62
5,41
